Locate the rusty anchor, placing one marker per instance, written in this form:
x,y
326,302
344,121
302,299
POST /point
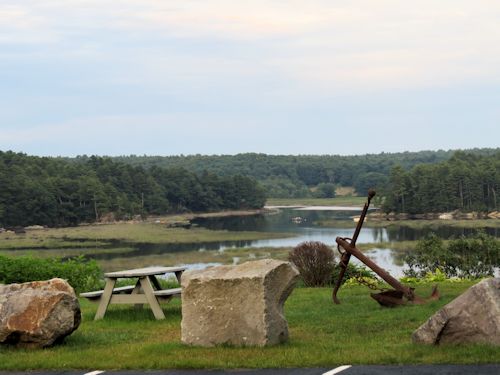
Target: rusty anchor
x,y
400,295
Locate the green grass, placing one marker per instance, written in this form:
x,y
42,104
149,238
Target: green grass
x,y
321,335
114,242
119,258
95,236
375,222
188,257
338,201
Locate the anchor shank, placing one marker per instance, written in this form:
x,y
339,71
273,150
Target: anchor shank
x,y
362,218
344,261
353,250
347,256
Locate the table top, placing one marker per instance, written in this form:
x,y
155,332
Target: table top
x,y
147,271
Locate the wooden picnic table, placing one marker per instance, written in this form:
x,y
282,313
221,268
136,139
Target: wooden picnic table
x,y
147,289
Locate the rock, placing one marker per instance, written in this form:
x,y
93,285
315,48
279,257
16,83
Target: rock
x,y
38,313
237,305
494,215
473,317
34,227
446,216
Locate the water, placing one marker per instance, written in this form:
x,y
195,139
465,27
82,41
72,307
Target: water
x,y
308,230
303,223
341,224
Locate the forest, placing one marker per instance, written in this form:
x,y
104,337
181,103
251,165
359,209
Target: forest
x,y
465,182
409,182
68,191
55,192
298,176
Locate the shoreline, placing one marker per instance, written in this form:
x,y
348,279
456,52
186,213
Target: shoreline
x,y
441,216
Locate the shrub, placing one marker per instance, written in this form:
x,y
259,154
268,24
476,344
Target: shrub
x,y
81,274
352,272
464,257
430,277
315,262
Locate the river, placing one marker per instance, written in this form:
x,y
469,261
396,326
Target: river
x,y
297,225
304,224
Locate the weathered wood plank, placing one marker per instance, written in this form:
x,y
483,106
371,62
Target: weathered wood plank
x,y
105,298
168,292
147,271
153,302
98,293
129,299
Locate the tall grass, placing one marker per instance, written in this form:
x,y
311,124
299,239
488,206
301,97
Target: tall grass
x,y
337,201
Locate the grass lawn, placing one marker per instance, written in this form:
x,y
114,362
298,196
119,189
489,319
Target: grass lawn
x,y
321,335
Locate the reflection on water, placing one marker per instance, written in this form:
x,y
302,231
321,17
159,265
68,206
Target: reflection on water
x,y
302,223
307,230
385,258
199,266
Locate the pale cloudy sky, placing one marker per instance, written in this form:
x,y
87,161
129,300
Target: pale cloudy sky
x,y
160,77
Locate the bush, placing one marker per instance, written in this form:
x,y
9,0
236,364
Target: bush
x,y
81,274
352,272
464,257
325,190
430,277
315,262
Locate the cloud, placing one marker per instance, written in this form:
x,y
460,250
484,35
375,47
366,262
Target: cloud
x,y
117,134
317,45
159,76
19,25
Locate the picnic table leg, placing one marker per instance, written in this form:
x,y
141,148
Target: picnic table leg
x,y
105,298
178,275
153,302
137,290
155,282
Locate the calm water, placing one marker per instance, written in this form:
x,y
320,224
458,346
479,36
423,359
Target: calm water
x,y
307,229
302,223
285,221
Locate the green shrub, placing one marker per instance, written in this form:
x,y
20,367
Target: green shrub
x,y
315,262
352,272
430,277
82,275
464,257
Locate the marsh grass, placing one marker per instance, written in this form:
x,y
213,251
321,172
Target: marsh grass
x,y
337,201
321,335
413,224
228,256
119,258
115,246
98,236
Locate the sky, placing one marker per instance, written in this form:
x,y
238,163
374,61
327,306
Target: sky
x,y
160,77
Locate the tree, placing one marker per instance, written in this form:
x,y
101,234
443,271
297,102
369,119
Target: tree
x,y
325,190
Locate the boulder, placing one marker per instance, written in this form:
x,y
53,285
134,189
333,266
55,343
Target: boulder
x,y
237,305
38,313
472,317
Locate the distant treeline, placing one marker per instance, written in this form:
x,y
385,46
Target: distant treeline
x,y
293,176
68,191
466,182
56,192
411,182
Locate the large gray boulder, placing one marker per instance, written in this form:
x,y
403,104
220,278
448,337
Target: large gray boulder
x,y
473,317
237,305
38,313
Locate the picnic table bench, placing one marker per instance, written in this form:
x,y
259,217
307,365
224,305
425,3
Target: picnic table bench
x,y
147,290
